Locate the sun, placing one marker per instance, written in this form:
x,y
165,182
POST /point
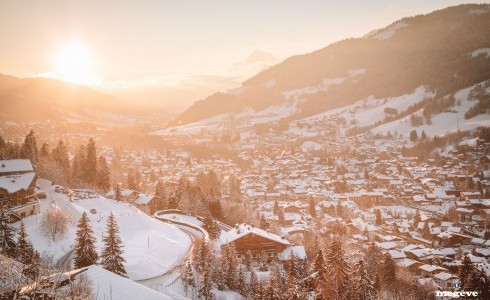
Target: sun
x,y
75,63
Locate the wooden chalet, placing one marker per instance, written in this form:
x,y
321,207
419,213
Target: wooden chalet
x,y
247,238
17,184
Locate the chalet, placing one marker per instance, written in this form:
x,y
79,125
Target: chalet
x,y
444,279
17,184
145,203
247,238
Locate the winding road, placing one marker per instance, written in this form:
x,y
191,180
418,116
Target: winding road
x,y
162,282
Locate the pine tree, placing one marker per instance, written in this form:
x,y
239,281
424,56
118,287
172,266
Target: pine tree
x,y
24,252
211,226
90,166
218,276
252,286
464,271
111,258
318,267
29,149
160,190
7,235
482,285
117,192
206,285
187,276
103,174
471,282
85,253
259,292
273,290
363,288
78,167
389,270
201,257
230,258
241,287
337,283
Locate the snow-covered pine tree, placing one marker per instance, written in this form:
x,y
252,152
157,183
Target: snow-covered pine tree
x,y
231,263
187,276
201,257
205,285
259,292
337,280
26,254
7,235
111,258
389,271
373,258
465,270
85,253
210,225
273,290
218,276
252,286
363,288
318,269
24,251
241,286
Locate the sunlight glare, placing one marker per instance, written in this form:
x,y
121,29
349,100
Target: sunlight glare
x,y
75,63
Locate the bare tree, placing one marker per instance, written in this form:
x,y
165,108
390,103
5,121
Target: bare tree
x,y
55,222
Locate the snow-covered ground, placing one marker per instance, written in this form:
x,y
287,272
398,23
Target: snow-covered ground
x,y
151,247
442,123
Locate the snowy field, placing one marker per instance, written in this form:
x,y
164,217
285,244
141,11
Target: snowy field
x,y
441,123
151,247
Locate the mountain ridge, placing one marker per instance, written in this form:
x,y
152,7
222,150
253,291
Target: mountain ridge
x,y
430,50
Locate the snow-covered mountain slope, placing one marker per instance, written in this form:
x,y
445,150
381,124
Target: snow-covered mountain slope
x,y
443,51
449,121
150,247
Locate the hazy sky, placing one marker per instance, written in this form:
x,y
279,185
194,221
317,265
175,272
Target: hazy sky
x,y
172,42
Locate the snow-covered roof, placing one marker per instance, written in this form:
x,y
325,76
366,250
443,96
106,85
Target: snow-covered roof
x,y
444,276
107,285
242,230
143,199
14,183
15,165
